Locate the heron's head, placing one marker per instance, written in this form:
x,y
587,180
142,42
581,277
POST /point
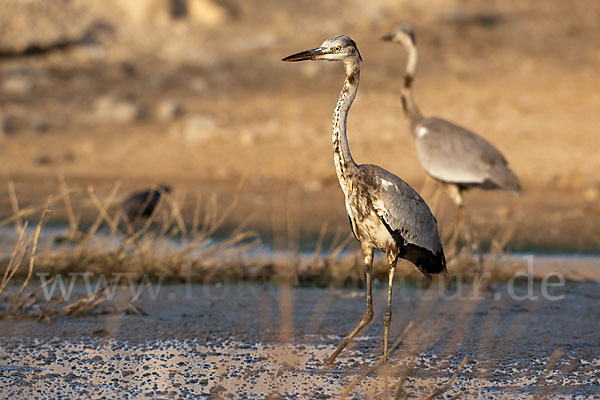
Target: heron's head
x,y
337,48
403,34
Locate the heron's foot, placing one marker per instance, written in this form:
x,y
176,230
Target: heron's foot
x,y
329,360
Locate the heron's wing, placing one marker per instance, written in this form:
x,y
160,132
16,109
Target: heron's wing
x,y
453,154
401,208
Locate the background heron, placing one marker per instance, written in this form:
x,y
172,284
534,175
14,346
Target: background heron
x,y
449,153
385,213
141,205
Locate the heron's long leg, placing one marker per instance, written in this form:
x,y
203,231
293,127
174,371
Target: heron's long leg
x,y
463,222
469,231
471,235
368,315
434,204
429,189
388,315
455,194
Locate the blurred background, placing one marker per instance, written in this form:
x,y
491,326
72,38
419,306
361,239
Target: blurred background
x,y
192,94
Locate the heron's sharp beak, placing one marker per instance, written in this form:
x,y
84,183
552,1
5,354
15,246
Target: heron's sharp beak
x,y
305,55
389,37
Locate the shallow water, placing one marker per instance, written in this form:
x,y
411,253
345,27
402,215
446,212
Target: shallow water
x,y
182,368
254,340
571,267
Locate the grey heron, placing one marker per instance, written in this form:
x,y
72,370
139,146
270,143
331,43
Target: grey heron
x,y
447,152
385,213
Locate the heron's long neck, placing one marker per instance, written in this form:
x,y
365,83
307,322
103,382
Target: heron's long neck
x,y
408,102
344,164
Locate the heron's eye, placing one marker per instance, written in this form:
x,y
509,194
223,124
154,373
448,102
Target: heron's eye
x,y
337,49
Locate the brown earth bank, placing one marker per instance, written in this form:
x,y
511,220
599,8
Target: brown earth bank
x,y
167,95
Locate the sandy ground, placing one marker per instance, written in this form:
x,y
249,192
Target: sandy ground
x,y
523,76
250,341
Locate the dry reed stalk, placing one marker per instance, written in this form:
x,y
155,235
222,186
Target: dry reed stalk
x,y
399,387
84,303
25,212
14,202
175,212
73,223
319,244
448,384
212,221
419,338
36,237
196,214
209,215
498,246
550,365
339,247
103,211
379,363
16,259
168,224
405,374
101,215
130,305
224,247
34,292
119,215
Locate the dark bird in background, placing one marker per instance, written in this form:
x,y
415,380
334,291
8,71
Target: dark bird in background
x,y
141,205
385,213
448,153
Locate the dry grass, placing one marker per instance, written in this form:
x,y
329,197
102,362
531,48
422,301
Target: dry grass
x,y
169,246
162,246
27,301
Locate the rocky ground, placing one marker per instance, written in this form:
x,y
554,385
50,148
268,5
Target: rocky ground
x,y
269,342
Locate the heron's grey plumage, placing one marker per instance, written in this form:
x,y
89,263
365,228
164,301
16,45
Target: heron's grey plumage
x,y
385,213
453,154
407,218
448,152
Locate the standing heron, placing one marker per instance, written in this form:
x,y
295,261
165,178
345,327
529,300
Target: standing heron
x,y
385,213
449,153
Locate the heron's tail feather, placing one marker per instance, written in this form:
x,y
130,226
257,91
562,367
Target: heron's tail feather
x,y
506,179
427,262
